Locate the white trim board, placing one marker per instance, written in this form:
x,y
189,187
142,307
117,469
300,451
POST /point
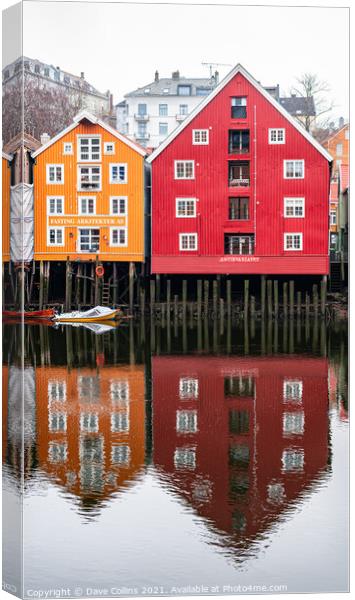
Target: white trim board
x,y
239,69
94,120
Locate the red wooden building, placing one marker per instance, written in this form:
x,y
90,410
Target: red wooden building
x,y
241,439
240,187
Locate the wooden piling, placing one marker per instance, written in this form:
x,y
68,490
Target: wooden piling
x,y
168,297
276,298
299,304
97,284
157,288
284,300
206,292
323,294
229,298
132,269
307,302
176,307
199,298
315,299
263,291
78,279
152,295
41,284
114,284
85,286
269,297
215,297
252,307
246,298
184,297
292,298
142,301
68,285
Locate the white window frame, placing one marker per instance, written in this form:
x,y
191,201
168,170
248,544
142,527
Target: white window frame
x,y
292,202
165,124
87,166
80,206
292,390
185,216
184,418
109,152
90,159
196,137
184,162
89,422
67,148
277,130
119,198
118,244
191,235
49,229
118,165
293,160
339,149
55,166
293,234
333,217
56,212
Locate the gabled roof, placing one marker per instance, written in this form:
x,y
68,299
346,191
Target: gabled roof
x,y
156,88
7,156
299,106
335,133
84,115
344,177
22,139
239,69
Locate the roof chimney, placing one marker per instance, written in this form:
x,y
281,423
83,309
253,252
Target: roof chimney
x,y
341,122
156,76
45,138
176,75
82,75
216,77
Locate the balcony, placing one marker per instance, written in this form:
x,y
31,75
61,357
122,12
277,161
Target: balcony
x,y
241,245
143,136
143,117
180,118
238,173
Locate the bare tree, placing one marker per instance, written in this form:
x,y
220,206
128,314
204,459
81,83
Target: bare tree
x,y
41,109
315,91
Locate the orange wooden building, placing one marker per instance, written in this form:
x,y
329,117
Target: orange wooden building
x,y
89,195
91,427
337,144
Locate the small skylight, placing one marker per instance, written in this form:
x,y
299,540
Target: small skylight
x,y
165,90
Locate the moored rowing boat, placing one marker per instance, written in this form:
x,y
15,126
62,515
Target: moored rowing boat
x,y
29,314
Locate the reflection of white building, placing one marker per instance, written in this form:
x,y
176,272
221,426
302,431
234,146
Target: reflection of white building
x,y
148,114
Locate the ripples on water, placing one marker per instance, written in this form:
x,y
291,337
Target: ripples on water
x,y
170,456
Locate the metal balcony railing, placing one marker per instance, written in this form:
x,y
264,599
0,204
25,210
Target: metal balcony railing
x,y
142,136
245,182
143,117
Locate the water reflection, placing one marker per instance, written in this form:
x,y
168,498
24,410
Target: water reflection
x,y
231,426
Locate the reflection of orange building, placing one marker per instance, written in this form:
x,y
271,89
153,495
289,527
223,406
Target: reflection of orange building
x,y
240,438
91,426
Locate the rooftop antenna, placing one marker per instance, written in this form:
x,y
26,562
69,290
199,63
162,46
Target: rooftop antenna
x,y
212,65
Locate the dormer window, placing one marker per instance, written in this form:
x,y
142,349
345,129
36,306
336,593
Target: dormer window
x,y
239,107
184,90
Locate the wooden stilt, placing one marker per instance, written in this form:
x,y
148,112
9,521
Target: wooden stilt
x,y
68,285
292,336
276,298
184,298
206,290
157,288
168,297
263,290
299,304
323,294
292,298
246,298
92,284
142,302
269,297
85,286
199,298
252,307
276,336
152,296
315,299
79,273
307,305
41,284
284,300
97,283
132,270
215,298
114,284
229,298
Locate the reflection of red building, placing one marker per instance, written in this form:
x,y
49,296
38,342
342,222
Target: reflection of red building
x,y
240,438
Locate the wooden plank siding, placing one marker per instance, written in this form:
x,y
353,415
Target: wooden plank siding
x,y
266,192
103,220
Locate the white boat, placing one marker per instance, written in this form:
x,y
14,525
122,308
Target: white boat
x,y
93,315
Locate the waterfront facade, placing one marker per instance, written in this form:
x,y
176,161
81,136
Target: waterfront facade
x,y
240,187
6,186
89,195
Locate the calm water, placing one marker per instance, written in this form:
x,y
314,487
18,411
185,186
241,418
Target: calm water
x,y
176,459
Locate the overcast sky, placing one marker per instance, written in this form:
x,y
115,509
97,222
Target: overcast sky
x,y
120,45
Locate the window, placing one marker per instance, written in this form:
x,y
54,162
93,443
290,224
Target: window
x,y
184,169
184,90
339,149
120,455
118,173
294,207
163,110
67,148
292,460
200,137
333,217
89,388
7,74
186,421
57,421
238,141
87,206
186,207
188,241
202,91
293,423
347,134
57,452
119,205
276,493
293,241
118,236
239,107
26,65
239,422
188,387
163,129
89,422
91,449
55,174
185,458
165,90
292,390
55,205
183,109
57,391
119,392
239,456
276,136
238,209
120,421
89,149
239,173
109,147
46,72
238,244
37,69
89,240
89,178
147,91
239,386
142,110
55,236
293,169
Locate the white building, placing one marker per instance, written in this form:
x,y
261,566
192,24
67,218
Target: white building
x,y
148,114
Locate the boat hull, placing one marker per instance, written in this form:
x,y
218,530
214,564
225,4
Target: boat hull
x,y
97,319
34,314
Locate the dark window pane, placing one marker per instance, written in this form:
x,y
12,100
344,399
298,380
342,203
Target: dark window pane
x,y
239,422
